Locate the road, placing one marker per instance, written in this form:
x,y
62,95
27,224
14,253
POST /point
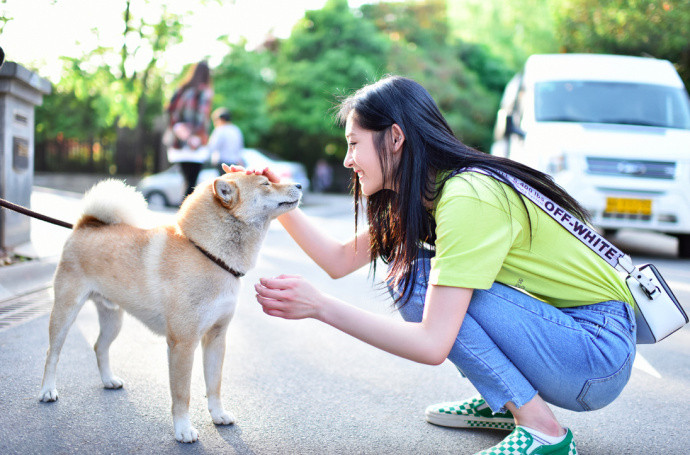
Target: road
x,y
301,387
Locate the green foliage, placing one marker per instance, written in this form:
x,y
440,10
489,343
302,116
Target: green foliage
x,y
4,15
464,79
77,108
115,99
513,30
660,28
241,83
329,53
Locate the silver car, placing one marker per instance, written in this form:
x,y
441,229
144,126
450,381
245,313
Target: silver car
x,y
167,188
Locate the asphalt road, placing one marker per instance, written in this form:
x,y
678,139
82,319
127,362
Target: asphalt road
x,y
300,387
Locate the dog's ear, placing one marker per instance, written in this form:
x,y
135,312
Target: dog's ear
x,y
226,192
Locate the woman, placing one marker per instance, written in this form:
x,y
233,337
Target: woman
x,y
189,120
482,276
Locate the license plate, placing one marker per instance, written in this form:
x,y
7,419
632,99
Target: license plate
x,y
628,206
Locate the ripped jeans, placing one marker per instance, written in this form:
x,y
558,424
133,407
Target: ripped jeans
x,y
512,346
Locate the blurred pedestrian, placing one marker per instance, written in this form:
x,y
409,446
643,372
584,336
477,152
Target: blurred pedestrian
x,y
226,142
323,176
189,121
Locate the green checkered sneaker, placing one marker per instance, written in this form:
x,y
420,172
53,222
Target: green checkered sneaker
x,y
472,413
521,442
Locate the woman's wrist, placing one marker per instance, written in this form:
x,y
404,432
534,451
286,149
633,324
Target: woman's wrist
x,y
325,309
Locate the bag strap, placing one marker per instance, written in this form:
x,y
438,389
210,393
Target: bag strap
x,y
578,228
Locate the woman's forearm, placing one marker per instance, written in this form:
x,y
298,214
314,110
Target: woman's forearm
x,y
335,258
429,341
409,340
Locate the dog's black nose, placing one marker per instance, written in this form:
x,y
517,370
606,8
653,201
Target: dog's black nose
x,y
299,186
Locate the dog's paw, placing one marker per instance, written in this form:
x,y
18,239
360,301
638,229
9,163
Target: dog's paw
x,y
187,435
185,432
48,394
112,382
223,418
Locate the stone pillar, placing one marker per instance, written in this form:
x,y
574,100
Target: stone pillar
x,y
20,91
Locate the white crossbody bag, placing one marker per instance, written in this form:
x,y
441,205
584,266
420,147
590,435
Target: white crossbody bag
x,y
657,311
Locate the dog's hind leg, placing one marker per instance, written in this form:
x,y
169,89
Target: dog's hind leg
x,y
213,345
110,318
180,361
69,298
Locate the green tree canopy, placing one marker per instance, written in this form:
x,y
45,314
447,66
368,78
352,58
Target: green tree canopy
x,y
464,79
242,82
330,51
513,30
660,28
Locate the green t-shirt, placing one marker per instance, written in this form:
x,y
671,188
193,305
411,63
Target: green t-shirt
x,y
483,235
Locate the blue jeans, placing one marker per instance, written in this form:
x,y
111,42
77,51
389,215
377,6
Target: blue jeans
x,y
512,346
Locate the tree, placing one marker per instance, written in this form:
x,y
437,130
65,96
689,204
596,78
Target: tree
x,y
513,30
134,89
464,79
660,28
330,52
242,82
124,97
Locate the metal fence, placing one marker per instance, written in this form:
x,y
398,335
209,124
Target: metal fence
x,y
128,154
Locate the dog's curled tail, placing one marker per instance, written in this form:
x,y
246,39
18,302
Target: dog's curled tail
x,y
112,201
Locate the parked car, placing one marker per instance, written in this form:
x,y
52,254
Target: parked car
x,y
614,131
167,188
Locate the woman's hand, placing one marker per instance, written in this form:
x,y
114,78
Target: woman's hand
x,y
194,142
272,177
289,297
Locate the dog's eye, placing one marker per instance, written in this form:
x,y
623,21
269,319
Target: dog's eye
x,y
266,183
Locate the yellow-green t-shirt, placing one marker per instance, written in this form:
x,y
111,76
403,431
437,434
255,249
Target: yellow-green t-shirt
x,y
483,236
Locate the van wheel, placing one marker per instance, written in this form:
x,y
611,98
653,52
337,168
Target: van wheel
x,y
684,246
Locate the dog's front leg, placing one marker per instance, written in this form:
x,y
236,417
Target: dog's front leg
x,y
180,360
213,344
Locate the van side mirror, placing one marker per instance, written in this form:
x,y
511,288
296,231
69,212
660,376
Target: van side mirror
x,y
512,128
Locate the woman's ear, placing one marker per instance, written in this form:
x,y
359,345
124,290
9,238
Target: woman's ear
x,y
398,137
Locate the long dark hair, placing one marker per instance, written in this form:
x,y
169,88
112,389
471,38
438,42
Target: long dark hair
x,y
196,76
399,222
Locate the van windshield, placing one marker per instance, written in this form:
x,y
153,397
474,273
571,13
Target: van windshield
x,y
611,102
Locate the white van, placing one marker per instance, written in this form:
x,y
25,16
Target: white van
x,y
614,131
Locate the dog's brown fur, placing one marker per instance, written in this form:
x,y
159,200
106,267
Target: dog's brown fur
x,y
159,276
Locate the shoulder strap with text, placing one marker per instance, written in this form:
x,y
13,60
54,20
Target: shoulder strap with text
x,y
581,230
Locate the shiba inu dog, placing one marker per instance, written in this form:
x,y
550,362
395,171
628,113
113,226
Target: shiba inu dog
x,y
181,280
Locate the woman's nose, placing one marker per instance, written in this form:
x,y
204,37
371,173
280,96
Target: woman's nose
x,y
348,162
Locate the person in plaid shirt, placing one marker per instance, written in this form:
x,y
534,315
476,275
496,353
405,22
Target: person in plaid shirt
x,y
189,115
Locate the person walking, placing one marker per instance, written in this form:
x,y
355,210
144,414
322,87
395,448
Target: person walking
x,y
226,142
188,123
481,276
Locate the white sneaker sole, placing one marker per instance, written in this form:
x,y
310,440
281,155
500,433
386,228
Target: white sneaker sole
x,y
464,421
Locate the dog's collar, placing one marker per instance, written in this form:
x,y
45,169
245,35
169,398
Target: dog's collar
x,y
219,262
